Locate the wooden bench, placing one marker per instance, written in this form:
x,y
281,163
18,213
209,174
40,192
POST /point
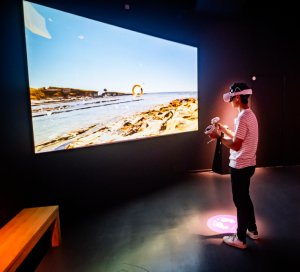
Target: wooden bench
x,y
20,235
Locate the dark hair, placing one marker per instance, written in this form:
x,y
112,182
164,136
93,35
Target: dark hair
x,y
237,87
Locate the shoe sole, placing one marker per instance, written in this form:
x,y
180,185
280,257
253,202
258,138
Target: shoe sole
x,y
254,237
234,245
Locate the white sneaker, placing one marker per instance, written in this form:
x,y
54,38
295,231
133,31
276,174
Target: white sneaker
x,y
234,241
252,234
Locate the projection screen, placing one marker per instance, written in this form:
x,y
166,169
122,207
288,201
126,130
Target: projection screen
x,y
93,83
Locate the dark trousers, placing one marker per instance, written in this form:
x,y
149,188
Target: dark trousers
x,y
240,182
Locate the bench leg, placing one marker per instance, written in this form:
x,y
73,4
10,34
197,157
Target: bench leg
x,y
55,232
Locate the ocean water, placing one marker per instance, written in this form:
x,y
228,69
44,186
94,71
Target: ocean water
x,y
48,127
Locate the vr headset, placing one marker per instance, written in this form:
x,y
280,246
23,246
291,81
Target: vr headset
x,y
227,97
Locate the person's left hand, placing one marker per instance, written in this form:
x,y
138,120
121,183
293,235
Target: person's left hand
x,y
214,134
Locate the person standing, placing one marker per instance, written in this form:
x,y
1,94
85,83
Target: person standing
x,y
243,145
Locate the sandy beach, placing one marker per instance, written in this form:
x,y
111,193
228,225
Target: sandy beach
x,y
177,116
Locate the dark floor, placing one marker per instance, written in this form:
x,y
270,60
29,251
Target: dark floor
x,y
168,231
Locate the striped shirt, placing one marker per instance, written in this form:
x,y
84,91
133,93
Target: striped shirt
x,y
246,129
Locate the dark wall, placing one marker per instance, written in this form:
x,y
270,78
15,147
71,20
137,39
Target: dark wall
x,y
96,177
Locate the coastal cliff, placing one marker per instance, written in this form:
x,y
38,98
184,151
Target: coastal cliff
x,y
66,94
57,92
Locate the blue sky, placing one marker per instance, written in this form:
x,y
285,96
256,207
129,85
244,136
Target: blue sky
x,y
91,55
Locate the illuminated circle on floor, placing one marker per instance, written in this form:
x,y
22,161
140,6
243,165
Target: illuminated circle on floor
x,y
133,92
223,223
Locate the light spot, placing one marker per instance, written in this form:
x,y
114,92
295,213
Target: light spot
x,y
80,37
34,21
50,20
223,223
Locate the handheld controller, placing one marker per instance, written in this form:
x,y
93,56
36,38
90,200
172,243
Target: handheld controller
x,y
212,127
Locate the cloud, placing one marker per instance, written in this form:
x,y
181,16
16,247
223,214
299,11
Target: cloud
x,y
80,37
50,20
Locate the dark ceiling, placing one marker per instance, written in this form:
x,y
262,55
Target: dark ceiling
x,y
228,8
217,8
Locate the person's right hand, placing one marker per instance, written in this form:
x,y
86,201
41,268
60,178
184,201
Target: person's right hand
x,y
222,128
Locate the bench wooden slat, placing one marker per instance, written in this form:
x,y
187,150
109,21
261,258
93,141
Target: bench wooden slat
x,y
20,235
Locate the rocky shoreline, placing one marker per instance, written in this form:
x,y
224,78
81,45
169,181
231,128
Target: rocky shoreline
x,y
55,110
42,102
177,116
50,109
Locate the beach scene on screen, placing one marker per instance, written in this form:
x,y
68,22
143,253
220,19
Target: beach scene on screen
x,y
93,83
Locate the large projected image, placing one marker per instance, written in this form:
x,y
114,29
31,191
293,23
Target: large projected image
x,y
93,83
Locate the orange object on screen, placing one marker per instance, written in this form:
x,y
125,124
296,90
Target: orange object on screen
x,y
133,92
